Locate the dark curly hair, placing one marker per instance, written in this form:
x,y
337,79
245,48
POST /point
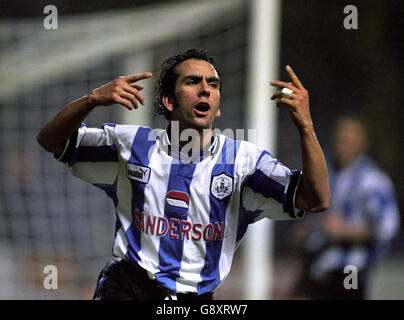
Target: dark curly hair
x,y
165,85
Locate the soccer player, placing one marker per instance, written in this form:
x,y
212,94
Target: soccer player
x,y
183,205
342,246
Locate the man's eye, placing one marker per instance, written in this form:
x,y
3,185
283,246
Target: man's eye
x,y
213,85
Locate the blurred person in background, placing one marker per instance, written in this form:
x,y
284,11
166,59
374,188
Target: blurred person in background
x,y
357,228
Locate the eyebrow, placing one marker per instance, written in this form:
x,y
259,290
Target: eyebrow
x,y
199,78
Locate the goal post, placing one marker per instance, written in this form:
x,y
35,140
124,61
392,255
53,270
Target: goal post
x,y
263,61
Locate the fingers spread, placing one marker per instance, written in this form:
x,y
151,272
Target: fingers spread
x,y
137,77
137,86
126,103
130,97
293,77
276,95
286,102
135,92
283,84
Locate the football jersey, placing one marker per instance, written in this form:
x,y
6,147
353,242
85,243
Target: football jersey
x,y
361,194
181,217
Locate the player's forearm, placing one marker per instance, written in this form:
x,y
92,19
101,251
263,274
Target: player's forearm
x,y
54,135
313,194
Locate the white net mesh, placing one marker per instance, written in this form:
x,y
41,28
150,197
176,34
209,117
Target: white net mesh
x,y
48,217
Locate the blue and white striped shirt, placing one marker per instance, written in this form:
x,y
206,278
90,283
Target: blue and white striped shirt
x,y
181,220
362,195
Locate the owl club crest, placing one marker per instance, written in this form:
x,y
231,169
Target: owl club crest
x,y
221,186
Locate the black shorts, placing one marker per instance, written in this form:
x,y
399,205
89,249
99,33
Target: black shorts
x,y
123,280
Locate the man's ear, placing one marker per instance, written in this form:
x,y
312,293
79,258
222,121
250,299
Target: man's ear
x,y
218,113
168,102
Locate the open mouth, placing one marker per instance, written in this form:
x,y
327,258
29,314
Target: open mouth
x,y
202,107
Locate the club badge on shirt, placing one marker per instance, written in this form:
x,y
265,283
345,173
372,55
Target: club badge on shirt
x,y
177,203
221,186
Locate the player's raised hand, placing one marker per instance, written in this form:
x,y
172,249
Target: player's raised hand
x,y
123,90
297,101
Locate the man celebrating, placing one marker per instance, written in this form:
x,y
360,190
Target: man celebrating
x,y
180,214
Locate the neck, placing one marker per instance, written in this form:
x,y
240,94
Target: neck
x,y
195,138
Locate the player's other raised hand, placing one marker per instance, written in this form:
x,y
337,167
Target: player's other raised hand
x,y
123,90
298,101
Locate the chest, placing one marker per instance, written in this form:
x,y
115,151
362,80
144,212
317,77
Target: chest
x,y
177,189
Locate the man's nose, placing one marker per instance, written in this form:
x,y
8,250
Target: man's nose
x,y
205,89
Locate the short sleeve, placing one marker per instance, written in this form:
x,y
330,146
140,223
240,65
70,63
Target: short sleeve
x,y
92,155
271,190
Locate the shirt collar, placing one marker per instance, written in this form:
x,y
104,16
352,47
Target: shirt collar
x,y
209,150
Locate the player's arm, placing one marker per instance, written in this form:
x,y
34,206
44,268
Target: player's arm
x,y
313,193
123,90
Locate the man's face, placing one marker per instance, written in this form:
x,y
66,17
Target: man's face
x,y
197,95
350,141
